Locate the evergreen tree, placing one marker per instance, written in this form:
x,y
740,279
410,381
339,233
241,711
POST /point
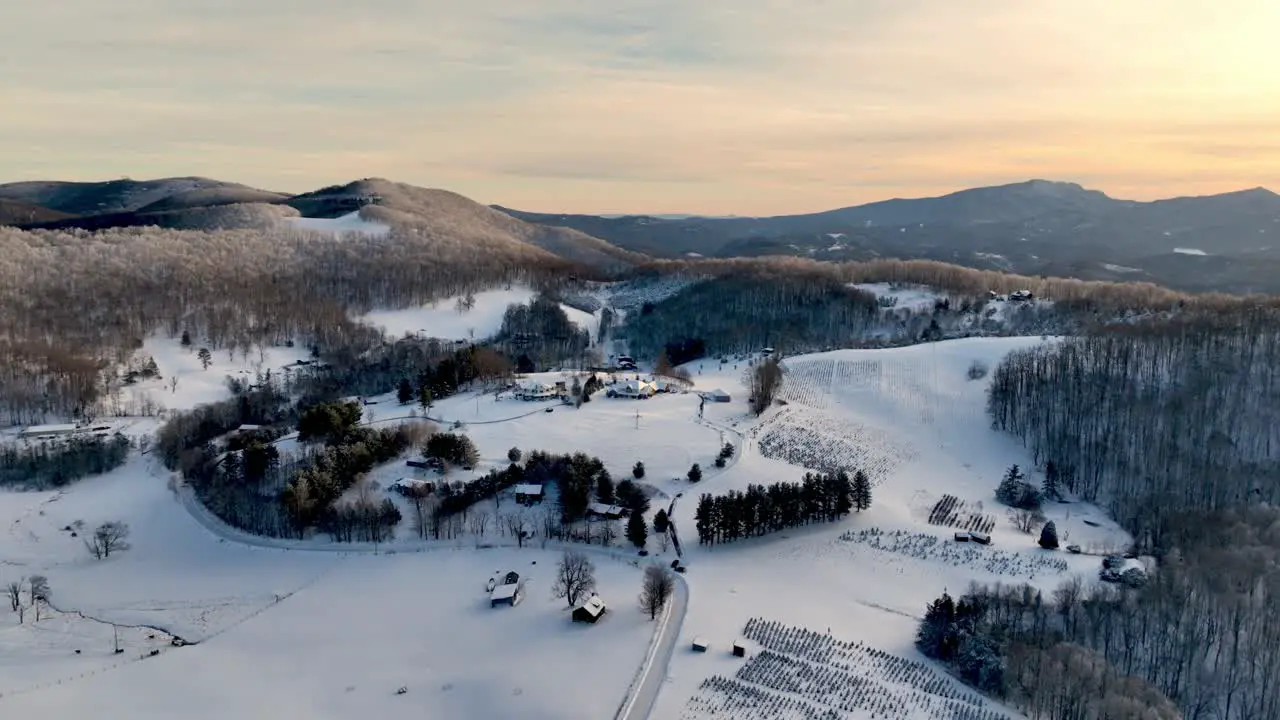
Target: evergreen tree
x,y
1049,536
404,393
637,529
695,473
638,471
604,488
1051,481
514,455
206,357
1016,492
425,397
861,491
844,494
186,339
661,522
931,637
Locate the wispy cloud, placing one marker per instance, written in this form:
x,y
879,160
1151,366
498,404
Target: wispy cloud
x,y
744,106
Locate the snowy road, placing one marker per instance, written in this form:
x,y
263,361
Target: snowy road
x,y
644,693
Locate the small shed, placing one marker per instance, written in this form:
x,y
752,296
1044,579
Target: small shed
x,y
528,493
980,538
962,537
508,594
590,611
43,431
700,645
408,486
610,512
718,395
739,648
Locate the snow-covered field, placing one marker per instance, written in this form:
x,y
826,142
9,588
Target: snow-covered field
x,y
349,224
828,611
448,319
907,297
283,633
197,385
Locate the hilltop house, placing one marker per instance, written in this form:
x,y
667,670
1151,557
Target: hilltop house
x,y
590,611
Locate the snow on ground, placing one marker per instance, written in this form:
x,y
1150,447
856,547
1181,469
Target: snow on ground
x,y
333,634
292,633
1120,268
351,223
913,419
908,297
449,319
1190,251
197,385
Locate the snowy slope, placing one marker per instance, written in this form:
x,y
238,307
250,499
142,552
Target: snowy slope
x,y
351,223
327,630
447,319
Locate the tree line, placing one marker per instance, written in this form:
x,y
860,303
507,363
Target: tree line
x,y
54,463
1201,636
1169,423
1153,417
760,510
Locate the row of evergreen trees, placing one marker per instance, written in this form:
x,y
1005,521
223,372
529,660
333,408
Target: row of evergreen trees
x,y
820,497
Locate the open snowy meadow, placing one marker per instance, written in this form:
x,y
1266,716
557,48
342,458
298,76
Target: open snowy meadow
x,y
826,614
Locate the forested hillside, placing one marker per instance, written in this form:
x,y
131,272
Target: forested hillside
x,y
1171,424
76,302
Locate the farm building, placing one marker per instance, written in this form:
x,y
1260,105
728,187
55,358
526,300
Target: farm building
x,y
420,464
537,391
528,494
700,645
508,594
981,538
49,431
740,648
405,486
717,395
634,389
962,537
612,512
590,611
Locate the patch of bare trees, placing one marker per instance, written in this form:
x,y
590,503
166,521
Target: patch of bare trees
x,y
109,537
1172,424
656,589
575,577
764,380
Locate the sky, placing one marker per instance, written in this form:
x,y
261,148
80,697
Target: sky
x,y
747,107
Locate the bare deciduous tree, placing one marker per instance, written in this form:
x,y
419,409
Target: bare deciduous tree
x,y
479,521
764,380
14,591
575,577
38,588
518,525
1026,520
657,587
108,538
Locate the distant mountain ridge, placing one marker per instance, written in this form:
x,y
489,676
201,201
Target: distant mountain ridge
x,y
1037,227
1228,242
202,203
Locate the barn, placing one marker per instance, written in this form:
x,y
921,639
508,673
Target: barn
x,y
590,611
508,594
528,493
717,395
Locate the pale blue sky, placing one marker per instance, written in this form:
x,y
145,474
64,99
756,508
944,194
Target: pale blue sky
x,y
718,106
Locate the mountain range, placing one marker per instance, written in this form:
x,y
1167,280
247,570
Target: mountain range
x,y
1228,242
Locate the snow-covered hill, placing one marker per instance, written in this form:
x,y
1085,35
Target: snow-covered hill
x,y
827,612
